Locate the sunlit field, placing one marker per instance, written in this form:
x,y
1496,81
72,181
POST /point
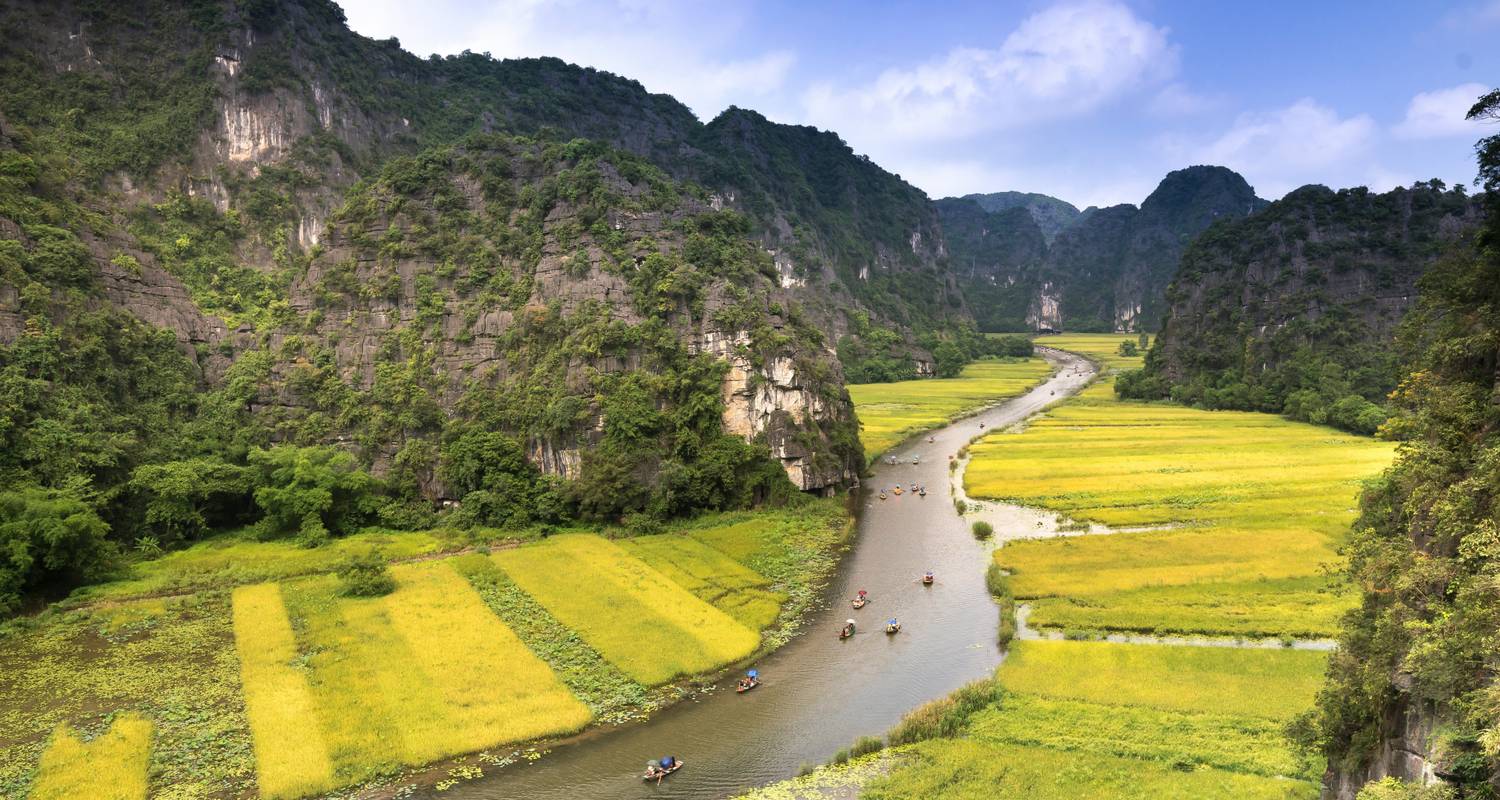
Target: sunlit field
x,y
258,676
425,672
711,575
111,767
1096,719
1247,507
290,757
1252,682
648,626
890,412
1101,347
968,769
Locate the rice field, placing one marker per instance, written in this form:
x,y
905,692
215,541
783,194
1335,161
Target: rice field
x,y
423,673
238,668
1249,682
1239,510
1101,347
111,767
291,759
891,412
712,576
967,769
637,618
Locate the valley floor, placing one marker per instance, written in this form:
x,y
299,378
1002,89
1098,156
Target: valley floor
x,y
238,665
1226,522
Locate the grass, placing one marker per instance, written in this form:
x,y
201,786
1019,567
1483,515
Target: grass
x,y
966,769
1252,504
890,412
291,759
711,575
423,673
111,767
638,619
238,558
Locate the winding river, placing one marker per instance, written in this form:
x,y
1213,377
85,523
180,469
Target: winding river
x,y
819,694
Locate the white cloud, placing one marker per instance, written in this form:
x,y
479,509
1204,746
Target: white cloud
x,y
1063,61
1176,100
1280,150
1440,113
671,46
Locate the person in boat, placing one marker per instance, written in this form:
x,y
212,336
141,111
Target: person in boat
x,y
751,679
848,629
892,626
882,494
927,576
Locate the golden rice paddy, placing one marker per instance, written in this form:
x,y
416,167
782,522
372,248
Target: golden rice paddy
x,y
111,767
1242,510
636,617
890,412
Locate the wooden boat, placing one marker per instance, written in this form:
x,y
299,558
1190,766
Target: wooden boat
x,y
927,579
858,602
846,631
659,773
893,628
897,490
745,687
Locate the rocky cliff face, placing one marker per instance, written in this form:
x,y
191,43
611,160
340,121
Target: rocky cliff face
x,y
1108,269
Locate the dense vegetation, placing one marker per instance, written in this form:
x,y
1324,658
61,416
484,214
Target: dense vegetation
x,y
1423,556
1292,310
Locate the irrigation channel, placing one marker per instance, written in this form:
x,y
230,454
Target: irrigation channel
x,y
819,693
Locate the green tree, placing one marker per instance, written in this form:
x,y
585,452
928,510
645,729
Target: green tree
x,y
48,537
185,497
315,492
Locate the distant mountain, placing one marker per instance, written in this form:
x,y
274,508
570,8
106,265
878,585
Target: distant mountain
x,y
1107,270
1051,214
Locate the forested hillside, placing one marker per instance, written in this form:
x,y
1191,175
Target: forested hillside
x,y
1411,691
1294,309
254,266
1106,270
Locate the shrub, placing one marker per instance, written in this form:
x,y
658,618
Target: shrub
x,y
1129,349
946,717
960,506
982,529
366,575
866,745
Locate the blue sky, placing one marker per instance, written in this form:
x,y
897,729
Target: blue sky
x,y
1090,101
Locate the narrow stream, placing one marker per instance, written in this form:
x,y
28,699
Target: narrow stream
x,y
818,693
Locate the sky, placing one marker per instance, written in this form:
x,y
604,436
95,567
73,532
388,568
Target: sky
x,y
1092,101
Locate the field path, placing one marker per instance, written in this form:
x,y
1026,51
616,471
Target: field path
x,y
819,694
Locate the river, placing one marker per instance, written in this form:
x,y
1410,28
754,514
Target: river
x,y
819,693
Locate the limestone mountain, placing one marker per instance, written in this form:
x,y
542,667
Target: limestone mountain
x,y
1051,214
1295,308
231,223
1108,270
